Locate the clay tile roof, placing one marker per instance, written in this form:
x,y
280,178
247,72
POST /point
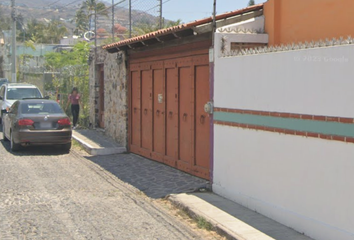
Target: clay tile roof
x,y
182,27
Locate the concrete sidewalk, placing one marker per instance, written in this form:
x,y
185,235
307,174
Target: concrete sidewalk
x,y
233,220
96,143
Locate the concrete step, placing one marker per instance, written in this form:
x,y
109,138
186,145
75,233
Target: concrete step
x,y
96,143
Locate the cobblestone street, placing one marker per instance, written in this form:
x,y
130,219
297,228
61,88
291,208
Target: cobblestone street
x,y
49,195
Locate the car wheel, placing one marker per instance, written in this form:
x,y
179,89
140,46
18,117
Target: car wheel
x,y
3,133
67,147
14,146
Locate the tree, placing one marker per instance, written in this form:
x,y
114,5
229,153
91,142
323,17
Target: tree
x,y
82,21
85,15
73,71
5,22
40,32
251,3
55,31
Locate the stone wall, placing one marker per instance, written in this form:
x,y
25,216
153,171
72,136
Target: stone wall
x,y
115,94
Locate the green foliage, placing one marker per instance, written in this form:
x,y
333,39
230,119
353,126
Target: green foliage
x,y
82,21
204,224
110,40
39,32
251,3
86,12
73,71
30,44
5,22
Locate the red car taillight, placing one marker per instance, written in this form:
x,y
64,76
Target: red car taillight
x,y
64,122
25,122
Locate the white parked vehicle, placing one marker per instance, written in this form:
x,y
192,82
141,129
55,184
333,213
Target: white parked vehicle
x,y
11,92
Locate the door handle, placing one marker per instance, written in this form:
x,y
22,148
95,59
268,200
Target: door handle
x,y
170,114
185,116
134,110
158,112
202,119
145,111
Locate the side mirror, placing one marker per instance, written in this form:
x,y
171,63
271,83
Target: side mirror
x,y
46,97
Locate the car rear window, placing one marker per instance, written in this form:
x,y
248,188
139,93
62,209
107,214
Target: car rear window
x,y
21,93
40,108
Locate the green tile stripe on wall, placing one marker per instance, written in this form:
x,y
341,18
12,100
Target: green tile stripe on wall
x,y
327,128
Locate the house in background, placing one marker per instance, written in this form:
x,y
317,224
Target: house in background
x,y
150,93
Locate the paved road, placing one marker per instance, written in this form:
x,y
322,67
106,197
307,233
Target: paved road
x,y
156,180
45,194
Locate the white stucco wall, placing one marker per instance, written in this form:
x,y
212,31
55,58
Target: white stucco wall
x,y
304,183
313,81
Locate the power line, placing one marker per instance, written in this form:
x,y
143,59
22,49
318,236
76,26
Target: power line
x,y
103,10
52,3
60,8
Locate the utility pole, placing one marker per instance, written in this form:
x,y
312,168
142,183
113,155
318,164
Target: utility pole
x,y
13,56
160,14
112,20
130,18
211,84
95,29
214,23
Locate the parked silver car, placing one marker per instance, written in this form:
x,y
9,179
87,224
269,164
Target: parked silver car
x,y
36,122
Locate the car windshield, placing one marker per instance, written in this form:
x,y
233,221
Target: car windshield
x,y
41,108
21,93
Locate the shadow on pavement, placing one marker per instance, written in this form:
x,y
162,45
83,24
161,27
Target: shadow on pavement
x,y
32,150
156,180
252,218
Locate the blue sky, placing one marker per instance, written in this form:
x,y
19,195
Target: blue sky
x,y
190,10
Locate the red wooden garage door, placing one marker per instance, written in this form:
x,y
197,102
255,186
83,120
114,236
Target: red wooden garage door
x,y
167,121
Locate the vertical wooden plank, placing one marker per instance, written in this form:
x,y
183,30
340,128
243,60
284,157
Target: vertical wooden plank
x,y
136,110
146,109
171,149
202,121
159,115
185,118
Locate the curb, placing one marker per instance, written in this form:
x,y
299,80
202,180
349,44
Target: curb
x,y
99,151
195,214
240,233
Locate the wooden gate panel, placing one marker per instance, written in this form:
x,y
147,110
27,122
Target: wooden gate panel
x,y
159,115
146,112
171,78
168,122
186,119
202,122
136,111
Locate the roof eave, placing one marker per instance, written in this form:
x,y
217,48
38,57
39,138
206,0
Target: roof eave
x,y
176,30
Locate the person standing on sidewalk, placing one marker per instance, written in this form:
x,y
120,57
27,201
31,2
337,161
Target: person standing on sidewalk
x,y
75,100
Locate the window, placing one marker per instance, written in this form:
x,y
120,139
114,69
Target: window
x,y
21,93
41,108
